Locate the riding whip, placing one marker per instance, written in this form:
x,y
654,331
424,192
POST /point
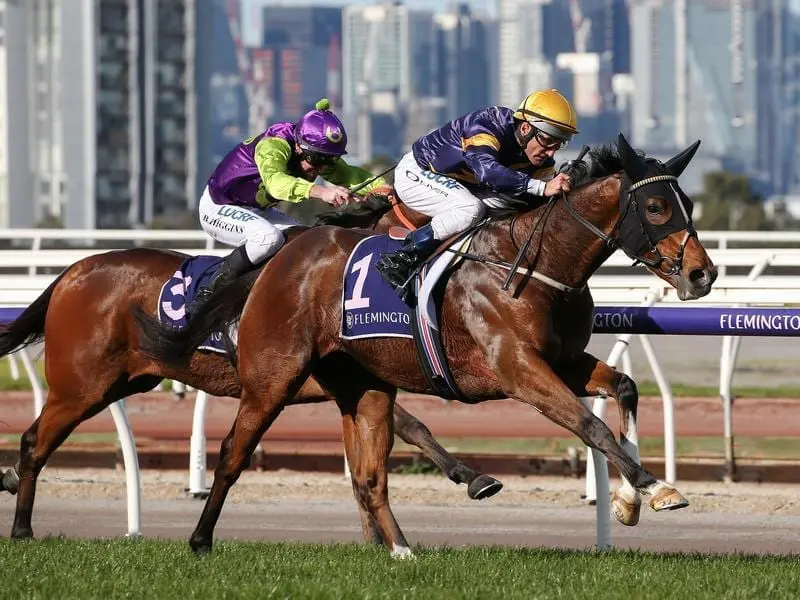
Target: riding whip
x,y
361,186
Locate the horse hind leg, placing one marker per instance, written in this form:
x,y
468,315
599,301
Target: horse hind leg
x,y
260,403
59,418
413,431
61,414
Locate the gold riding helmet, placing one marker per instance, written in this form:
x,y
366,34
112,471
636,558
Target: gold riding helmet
x,y
551,113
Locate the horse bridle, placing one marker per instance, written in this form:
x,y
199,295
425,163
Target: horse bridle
x,y
674,264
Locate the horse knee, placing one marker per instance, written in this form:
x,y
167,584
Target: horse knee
x,y
28,440
27,444
627,393
371,490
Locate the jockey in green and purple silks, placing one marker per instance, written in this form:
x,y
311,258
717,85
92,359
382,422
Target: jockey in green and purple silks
x,y
279,164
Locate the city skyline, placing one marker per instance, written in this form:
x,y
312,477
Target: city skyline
x,y
125,127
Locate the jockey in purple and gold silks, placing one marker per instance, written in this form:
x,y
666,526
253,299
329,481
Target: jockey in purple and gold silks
x,y
279,164
475,162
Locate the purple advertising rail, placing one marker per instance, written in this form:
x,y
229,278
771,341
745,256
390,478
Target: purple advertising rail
x,y
774,322
770,322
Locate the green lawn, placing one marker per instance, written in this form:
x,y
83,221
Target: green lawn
x,y
60,568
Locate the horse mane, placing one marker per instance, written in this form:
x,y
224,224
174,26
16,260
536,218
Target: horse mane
x,y
603,161
358,214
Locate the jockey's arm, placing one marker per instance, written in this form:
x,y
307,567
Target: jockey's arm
x,y
272,159
349,176
481,155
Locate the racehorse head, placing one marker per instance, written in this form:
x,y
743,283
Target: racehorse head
x,y
655,224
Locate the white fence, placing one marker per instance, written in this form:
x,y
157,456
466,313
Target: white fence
x,y
31,255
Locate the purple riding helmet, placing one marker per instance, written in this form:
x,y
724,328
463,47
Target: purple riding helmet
x,y
321,132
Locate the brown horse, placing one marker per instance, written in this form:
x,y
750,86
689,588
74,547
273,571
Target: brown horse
x,y
527,343
85,316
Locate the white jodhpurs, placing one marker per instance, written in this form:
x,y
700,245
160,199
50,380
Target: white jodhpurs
x,y
259,229
451,206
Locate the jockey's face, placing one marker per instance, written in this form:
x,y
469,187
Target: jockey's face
x,y
540,146
311,165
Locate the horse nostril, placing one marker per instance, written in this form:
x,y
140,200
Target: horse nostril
x,y
700,277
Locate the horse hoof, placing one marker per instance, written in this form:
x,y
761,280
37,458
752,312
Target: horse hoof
x,y
483,486
626,512
402,553
668,498
200,548
9,481
25,533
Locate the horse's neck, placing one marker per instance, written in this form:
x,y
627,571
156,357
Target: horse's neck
x,y
563,248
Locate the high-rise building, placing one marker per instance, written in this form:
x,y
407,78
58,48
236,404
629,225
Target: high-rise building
x,y
388,76
298,57
524,65
387,47
463,72
17,204
220,100
111,129
723,72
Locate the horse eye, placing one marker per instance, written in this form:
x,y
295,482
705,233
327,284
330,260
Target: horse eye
x,y
653,209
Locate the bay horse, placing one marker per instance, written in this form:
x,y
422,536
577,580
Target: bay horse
x,y
527,343
91,360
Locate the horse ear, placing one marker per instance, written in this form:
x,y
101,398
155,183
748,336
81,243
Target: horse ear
x,y
678,163
632,163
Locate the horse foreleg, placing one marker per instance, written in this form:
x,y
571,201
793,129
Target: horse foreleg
x,y
352,451
589,376
413,431
534,382
372,425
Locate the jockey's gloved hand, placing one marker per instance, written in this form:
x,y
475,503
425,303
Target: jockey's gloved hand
x,y
560,183
335,195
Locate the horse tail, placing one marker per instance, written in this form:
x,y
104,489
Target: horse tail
x,y
223,308
28,328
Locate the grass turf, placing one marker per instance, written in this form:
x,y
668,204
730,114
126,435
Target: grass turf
x,y
61,568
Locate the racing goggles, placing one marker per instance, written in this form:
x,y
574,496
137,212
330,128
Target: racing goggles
x,y
318,160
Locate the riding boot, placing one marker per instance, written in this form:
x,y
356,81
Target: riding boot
x,y
397,267
233,265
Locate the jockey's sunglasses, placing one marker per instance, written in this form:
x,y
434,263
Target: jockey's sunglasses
x,y
318,160
548,142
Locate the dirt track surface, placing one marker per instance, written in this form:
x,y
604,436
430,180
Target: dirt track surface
x,y
158,416
432,511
